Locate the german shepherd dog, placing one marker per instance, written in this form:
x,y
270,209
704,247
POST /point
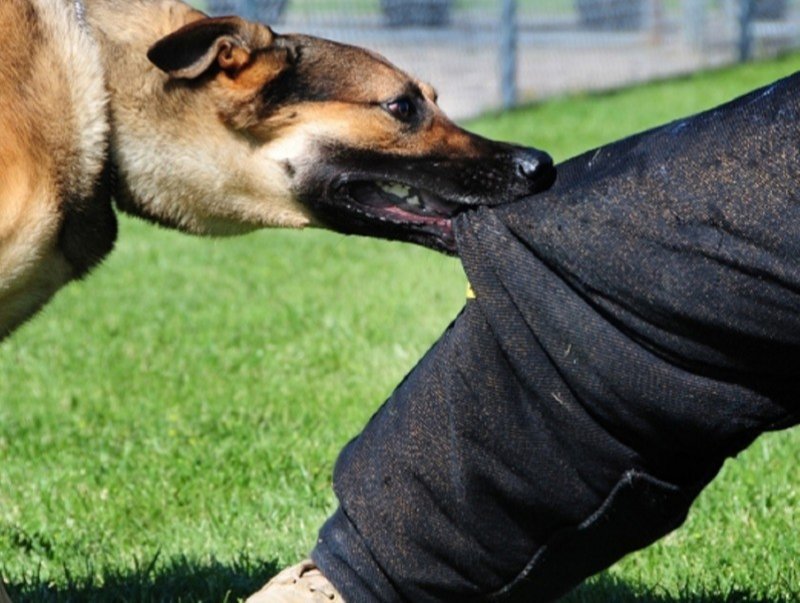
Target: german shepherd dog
x,y
215,126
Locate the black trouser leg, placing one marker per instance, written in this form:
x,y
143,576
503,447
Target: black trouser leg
x,y
469,485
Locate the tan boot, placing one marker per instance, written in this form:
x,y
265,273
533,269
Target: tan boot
x,y
301,583
4,598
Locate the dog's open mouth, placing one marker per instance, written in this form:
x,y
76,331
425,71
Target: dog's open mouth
x,y
395,211
393,200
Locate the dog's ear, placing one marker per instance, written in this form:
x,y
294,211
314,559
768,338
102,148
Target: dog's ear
x,y
227,42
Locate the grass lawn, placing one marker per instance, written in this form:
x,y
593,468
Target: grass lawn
x,y
169,425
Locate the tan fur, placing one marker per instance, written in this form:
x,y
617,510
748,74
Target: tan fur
x,y
54,128
225,186
368,127
178,160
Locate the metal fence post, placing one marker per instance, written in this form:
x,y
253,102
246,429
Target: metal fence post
x,y
745,30
508,53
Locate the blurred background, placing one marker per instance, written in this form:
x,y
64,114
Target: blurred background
x,y
168,426
492,54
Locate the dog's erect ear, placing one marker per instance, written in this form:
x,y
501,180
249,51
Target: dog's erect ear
x,y
224,41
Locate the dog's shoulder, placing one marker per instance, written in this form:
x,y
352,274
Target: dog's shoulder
x,y
53,148
53,95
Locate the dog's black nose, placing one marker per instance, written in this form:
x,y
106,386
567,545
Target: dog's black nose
x,y
532,164
534,168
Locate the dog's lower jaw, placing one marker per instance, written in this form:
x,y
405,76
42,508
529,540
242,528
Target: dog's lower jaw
x,y
353,220
354,204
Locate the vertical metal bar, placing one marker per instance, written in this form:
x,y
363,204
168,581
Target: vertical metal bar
x,y
508,53
745,30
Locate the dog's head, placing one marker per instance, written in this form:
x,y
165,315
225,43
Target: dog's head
x,y
362,146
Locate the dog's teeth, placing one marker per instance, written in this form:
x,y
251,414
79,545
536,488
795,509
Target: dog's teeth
x,y
398,190
414,201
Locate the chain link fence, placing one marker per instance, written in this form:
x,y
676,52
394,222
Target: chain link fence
x,y
487,54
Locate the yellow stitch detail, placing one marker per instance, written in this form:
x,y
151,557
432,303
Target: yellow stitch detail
x,y
471,292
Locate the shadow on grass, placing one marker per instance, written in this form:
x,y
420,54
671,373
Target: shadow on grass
x,y
608,589
186,581
178,580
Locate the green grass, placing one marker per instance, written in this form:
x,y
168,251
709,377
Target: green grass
x,y
168,426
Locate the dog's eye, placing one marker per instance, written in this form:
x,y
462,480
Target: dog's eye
x,y
401,108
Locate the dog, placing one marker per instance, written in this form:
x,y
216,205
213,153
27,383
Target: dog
x,y
215,126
